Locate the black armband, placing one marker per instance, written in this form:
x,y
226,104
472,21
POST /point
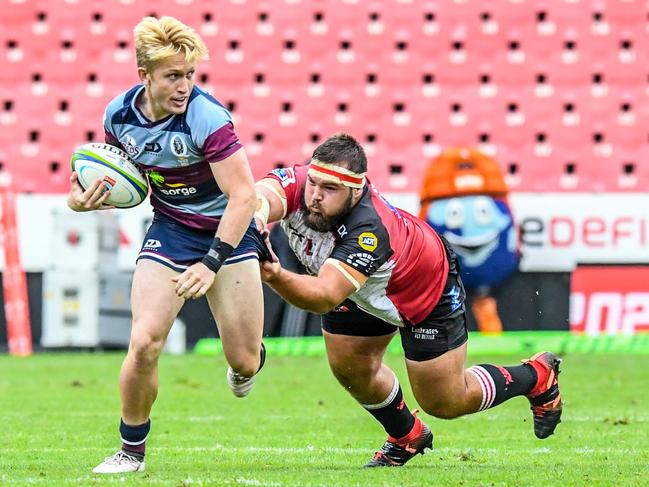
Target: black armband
x,y
219,251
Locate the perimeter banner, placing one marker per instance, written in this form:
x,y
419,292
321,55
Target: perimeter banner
x,y
610,300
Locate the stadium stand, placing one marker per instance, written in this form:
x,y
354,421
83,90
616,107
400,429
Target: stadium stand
x,y
556,91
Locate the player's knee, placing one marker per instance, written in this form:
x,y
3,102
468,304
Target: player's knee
x,y
145,349
441,408
244,362
348,373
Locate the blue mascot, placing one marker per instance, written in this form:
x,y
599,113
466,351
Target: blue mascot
x,y
464,198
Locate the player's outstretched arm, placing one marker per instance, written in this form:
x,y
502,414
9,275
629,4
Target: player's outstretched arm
x,y
271,202
335,282
93,198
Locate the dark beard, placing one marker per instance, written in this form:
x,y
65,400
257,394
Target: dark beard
x,y
321,223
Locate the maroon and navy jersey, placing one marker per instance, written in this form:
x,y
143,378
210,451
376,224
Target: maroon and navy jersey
x,y
403,258
176,153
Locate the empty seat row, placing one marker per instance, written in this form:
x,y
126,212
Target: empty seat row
x,y
47,171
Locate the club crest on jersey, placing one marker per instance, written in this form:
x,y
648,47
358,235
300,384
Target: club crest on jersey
x,y
368,241
130,146
179,148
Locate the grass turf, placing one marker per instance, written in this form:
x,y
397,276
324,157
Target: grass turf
x,y
60,414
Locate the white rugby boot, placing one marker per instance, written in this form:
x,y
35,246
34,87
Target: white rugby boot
x,y
120,462
240,385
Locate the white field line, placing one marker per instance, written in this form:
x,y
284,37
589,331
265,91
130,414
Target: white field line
x,y
567,417
584,450
122,479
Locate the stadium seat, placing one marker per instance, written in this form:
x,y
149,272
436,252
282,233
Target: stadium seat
x,y
96,41
507,73
16,53
642,170
630,72
630,135
425,37
536,173
288,63
627,12
18,13
12,134
16,71
398,171
562,75
127,18
514,125
508,13
625,170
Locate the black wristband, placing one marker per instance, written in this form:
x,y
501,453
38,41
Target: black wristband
x,y
219,251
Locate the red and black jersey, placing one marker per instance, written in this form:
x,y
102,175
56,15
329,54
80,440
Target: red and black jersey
x,y
403,257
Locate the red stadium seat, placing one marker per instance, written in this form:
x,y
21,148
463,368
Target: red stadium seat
x,y
508,13
625,170
14,13
625,11
506,72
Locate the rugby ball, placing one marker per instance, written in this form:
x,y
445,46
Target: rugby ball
x,y
128,185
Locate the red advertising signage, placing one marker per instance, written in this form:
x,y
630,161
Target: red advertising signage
x,y
610,300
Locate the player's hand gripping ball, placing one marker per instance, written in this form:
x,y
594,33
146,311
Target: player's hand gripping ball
x,y
127,184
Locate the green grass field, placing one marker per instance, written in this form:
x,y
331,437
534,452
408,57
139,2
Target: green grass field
x,y
60,414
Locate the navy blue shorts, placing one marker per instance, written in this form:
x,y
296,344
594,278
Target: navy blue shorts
x,y
178,246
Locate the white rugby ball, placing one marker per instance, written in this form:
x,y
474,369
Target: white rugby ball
x,y
95,160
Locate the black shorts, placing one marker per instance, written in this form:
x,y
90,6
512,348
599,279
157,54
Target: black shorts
x,y
442,330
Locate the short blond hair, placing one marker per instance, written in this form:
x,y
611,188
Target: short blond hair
x,y
159,39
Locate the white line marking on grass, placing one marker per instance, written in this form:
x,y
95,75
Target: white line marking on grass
x,y
92,479
312,449
243,481
161,417
193,419
285,417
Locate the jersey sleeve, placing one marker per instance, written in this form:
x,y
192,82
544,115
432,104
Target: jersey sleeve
x,y
291,181
221,144
365,247
212,130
